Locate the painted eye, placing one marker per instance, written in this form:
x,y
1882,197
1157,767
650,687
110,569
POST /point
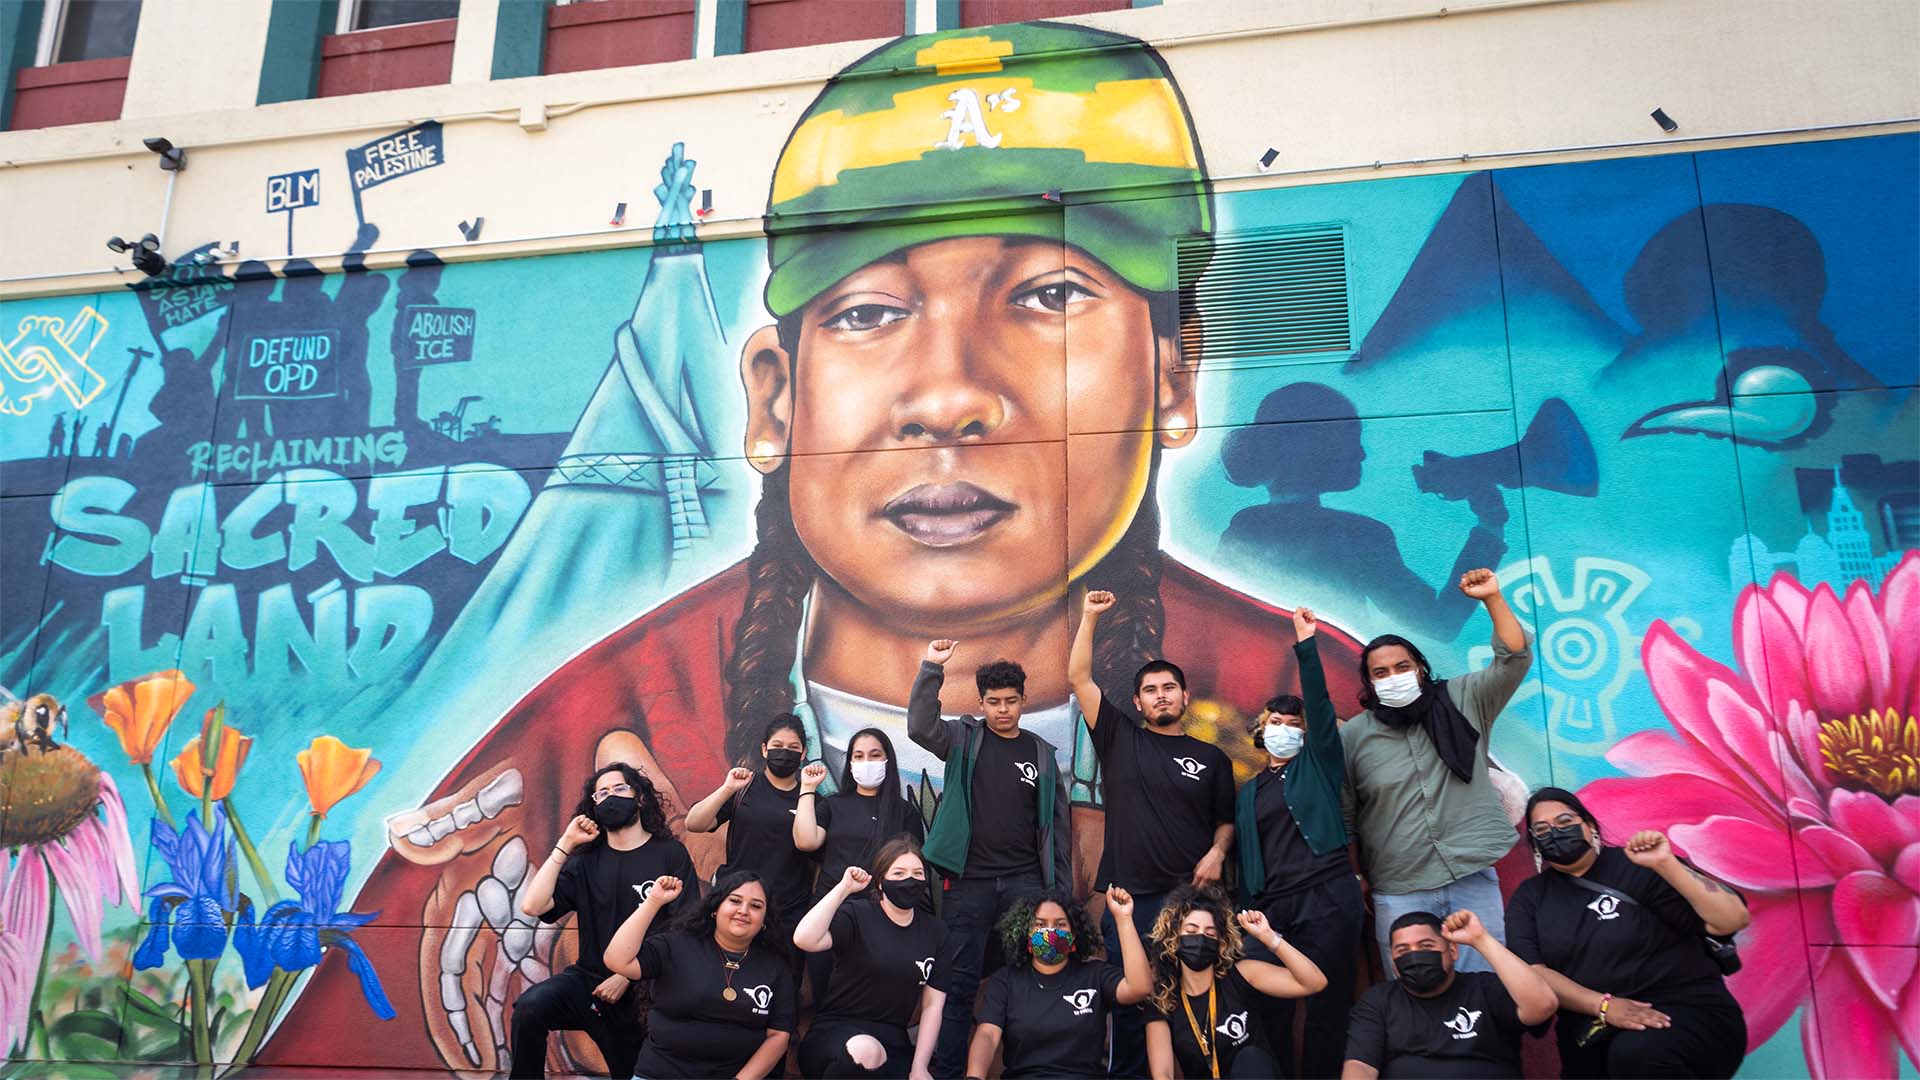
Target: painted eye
x,y
1054,297
866,317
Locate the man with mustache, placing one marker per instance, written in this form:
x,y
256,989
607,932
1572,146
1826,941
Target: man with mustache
x,y
1175,825
942,371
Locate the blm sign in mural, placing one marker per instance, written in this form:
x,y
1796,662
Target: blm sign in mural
x,y
325,592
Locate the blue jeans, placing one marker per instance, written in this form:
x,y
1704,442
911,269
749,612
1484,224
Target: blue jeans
x,y
1478,893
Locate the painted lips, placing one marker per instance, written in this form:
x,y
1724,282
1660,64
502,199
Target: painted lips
x,y
944,515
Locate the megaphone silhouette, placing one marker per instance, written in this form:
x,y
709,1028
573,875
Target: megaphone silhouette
x,y
1555,454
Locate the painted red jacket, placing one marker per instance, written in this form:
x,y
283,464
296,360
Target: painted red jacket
x,y
660,678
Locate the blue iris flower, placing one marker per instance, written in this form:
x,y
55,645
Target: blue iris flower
x,y
291,934
193,907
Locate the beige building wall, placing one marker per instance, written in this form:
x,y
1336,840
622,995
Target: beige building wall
x,y
1338,87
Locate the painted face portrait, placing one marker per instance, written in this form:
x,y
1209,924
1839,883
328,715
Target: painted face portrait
x,y
957,410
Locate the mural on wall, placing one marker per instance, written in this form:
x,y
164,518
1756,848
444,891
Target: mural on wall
x,y
323,591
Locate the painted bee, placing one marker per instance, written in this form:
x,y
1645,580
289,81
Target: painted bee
x,y
27,726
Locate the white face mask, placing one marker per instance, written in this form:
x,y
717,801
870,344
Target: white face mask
x,y
1282,740
1398,691
869,773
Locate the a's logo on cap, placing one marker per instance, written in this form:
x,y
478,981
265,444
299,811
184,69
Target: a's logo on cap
x,y
965,118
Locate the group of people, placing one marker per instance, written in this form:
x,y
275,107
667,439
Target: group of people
x,y
895,923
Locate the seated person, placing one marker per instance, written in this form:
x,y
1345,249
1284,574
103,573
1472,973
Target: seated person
x,y
1434,1021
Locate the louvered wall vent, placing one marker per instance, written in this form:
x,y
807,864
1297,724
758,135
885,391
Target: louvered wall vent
x,y
1264,293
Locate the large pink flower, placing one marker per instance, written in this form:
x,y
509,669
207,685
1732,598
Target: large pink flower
x,y
74,839
1797,779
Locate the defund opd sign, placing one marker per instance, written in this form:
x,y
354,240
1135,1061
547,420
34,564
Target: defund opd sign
x,y
289,366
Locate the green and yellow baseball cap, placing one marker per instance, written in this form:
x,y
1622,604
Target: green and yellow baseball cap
x,y
959,133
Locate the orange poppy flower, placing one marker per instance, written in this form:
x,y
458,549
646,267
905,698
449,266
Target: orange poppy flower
x,y
193,770
140,711
333,770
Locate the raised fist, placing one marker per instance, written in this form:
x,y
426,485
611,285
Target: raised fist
x,y
855,879
1462,927
813,776
1304,624
939,652
1480,584
1096,601
580,830
1120,902
737,778
666,889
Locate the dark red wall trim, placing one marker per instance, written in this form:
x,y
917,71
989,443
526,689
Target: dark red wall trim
x,y
77,92
387,58
617,33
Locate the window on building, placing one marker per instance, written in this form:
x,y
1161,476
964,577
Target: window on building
x,y
587,34
369,14
87,30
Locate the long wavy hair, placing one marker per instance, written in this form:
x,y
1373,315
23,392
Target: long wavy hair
x,y
1163,944
780,573
701,921
653,816
1017,923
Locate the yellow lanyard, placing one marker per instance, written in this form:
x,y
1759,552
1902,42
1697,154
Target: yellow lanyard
x,y
1207,1046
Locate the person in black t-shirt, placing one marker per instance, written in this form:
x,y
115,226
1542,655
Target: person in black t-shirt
x,y
1297,863
724,1000
1003,830
1168,797
1206,1015
1047,1010
599,872
759,809
848,827
1434,1021
1619,934
891,970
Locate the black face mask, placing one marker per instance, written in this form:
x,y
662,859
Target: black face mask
x,y
1421,971
1563,846
783,762
1198,951
907,893
616,811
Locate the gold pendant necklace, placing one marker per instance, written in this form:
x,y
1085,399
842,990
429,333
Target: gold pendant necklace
x,y
728,993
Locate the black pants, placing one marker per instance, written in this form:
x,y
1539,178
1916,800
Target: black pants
x,y
823,1053
1708,1040
970,907
1253,1063
565,1002
1130,1021
1324,922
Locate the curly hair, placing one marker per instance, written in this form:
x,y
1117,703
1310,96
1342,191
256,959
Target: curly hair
x,y
700,920
780,574
1163,944
1000,675
653,816
1017,924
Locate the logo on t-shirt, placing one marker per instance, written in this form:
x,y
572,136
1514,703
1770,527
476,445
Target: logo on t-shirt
x,y
1235,1028
761,996
926,969
1082,1001
1190,768
1029,772
1464,1023
645,889
1606,905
